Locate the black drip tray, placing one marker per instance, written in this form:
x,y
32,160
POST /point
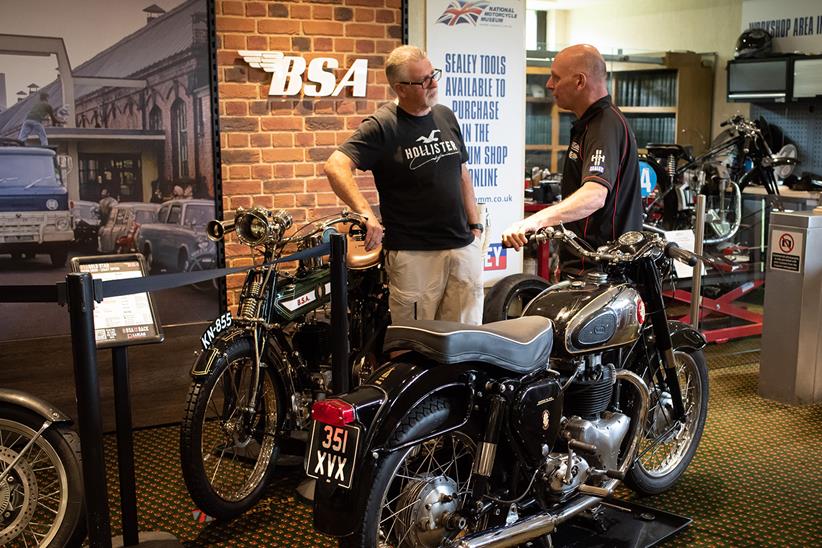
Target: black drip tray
x,y
619,524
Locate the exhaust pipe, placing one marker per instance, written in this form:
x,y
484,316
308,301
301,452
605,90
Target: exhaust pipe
x,y
546,522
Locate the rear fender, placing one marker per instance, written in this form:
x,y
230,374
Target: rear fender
x,y
381,404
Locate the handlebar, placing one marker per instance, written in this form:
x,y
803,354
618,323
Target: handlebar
x,y
673,251
619,251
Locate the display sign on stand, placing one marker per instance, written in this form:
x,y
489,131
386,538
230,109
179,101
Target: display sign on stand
x,y
125,320
120,322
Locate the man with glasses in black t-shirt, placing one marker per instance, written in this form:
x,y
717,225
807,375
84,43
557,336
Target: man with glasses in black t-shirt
x,y
600,181
432,234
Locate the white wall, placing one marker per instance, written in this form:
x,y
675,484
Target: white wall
x,y
662,25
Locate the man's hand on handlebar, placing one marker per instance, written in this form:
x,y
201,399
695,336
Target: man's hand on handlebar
x,y
517,234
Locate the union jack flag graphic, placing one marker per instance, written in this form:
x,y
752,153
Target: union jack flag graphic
x,y
461,11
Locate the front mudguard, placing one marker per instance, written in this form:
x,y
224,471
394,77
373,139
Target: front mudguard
x,y
205,362
34,404
685,337
382,403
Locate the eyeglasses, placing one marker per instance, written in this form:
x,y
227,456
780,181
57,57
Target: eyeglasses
x,y
425,82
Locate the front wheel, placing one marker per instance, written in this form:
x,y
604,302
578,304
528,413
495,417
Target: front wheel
x,y
509,296
667,447
417,490
227,448
41,498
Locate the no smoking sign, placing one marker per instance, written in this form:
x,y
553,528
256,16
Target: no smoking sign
x,y
786,251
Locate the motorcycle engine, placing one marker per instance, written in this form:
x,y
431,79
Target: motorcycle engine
x,y
313,341
586,419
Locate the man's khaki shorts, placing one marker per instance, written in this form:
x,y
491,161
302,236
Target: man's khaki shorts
x,y
436,285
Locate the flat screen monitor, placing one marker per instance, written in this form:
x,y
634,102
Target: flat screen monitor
x,y
807,78
762,79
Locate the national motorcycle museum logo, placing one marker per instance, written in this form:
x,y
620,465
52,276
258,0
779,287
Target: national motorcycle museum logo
x,y
287,74
476,13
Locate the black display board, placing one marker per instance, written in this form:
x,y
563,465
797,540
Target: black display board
x,y
128,319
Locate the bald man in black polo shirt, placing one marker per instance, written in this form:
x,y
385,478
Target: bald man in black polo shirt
x,y
600,180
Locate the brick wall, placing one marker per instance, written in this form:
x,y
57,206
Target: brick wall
x,y
273,149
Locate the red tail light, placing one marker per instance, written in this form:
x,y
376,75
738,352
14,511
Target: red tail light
x,y
333,412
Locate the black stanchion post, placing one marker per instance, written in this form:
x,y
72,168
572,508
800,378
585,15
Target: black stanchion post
x,y
87,389
339,315
125,445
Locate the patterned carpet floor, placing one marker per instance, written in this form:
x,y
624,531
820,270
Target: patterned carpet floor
x,y
755,480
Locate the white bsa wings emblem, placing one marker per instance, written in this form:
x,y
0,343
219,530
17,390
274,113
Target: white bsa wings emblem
x,y
287,72
546,419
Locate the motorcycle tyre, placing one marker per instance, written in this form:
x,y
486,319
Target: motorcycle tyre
x,y
424,418
194,474
66,443
502,294
643,483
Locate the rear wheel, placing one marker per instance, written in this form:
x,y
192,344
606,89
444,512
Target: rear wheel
x,y
509,296
227,449
418,493
667,447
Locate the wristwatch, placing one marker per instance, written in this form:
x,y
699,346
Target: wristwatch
x,y
476,226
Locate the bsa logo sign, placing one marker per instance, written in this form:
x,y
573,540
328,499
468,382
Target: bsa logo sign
x,y
477,13
287,74
496,257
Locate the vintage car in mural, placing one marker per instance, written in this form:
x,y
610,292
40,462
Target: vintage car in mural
x,y
34,208
177,242
124,221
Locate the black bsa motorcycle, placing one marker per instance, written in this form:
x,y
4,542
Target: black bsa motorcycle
x,y
495,435
253,385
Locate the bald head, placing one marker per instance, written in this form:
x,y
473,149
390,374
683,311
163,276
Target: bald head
x,y
586,59
578,78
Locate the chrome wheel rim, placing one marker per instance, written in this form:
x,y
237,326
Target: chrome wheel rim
x,y
426,472
34,495
237,445
666,442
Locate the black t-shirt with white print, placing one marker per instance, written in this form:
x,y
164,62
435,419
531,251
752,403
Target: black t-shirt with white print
x,y
603,150
417,165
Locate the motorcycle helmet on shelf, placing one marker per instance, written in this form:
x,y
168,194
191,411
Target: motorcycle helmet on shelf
x,y
753,43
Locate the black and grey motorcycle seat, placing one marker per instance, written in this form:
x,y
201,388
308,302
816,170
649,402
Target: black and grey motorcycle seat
x,y
520,345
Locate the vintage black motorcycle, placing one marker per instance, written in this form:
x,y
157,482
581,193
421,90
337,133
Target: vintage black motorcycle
x,y
495,435
738,157
41,480
253,385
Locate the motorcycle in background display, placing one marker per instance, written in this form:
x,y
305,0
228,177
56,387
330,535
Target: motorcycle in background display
x,y
41,481
495,435
740,156
255,381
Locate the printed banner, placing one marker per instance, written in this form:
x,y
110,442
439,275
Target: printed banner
x,y
480,46
796,25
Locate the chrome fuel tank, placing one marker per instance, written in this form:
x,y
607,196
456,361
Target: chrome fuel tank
x,y
590,315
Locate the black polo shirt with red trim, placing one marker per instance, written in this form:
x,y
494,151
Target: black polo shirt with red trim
x,y
603,150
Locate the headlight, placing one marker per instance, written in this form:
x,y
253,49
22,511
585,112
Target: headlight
x,y
62,223
202,245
